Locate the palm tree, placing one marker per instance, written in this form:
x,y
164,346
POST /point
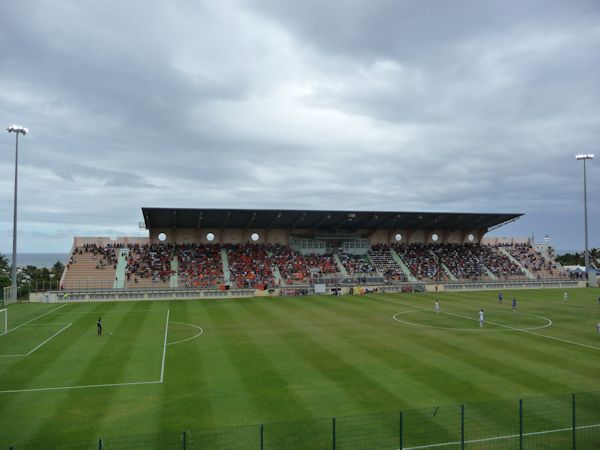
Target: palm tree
x,y
4,266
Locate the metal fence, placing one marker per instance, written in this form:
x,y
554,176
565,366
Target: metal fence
x,y
548,423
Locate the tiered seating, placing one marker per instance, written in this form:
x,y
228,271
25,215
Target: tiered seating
x,y
292,265
460,261
500,265
357,264
422,263
91,266
250,266
253,265
149,265
535,262
200,265
321,264
385,264
297,268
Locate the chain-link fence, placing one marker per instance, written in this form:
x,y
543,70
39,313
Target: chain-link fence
x,y
549,423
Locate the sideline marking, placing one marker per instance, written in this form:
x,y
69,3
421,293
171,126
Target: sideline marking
x,y
162,369
35,318
516,329
188,339
497,438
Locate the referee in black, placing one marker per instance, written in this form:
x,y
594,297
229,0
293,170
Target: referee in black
x,y
99,325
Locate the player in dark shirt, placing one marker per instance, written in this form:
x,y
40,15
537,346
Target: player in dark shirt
x,y
99,325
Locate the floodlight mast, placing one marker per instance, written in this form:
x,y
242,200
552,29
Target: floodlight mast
x,y
17,129
586,255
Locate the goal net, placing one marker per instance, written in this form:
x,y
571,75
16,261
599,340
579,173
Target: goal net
x,y
9,295
3,321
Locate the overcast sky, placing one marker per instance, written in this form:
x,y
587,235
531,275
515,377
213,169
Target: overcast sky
x,y
463,106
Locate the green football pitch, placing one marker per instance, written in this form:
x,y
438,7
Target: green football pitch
x,y
178,365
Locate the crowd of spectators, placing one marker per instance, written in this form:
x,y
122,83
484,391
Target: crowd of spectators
x,y
459,259
297,268
499,264
421,261
149,262
200,265
384,263
106,256
250,266
357,264
534,261
256,265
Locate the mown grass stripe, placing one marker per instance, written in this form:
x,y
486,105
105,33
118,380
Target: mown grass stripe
x,y
109,362
186,388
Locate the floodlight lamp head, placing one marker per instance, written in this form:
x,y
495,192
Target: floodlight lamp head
x,y
17,129
588,156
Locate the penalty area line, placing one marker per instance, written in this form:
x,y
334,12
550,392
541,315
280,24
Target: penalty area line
x,y
51,337
36,318
162,369
87,386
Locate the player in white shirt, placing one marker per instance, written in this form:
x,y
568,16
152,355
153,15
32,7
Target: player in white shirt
x,y
565,296
481,318
437,306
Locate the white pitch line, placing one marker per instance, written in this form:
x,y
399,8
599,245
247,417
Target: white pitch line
x,y
162,369
36,318
61,388
497,438
188,339
505,326
55,334
81,313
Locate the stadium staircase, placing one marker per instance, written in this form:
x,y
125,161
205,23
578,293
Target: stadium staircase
x,y
447,271
488,272
174,278
403,266
340,265
121,266
277,275
226,271
527,273
383,261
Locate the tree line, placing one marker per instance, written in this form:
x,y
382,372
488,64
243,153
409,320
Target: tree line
x,y
578,259
29,277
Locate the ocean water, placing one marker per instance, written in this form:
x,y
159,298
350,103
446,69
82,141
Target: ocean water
x,y
38,259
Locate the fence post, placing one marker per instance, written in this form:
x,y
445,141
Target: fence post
x,y
183,440
574,425
462,427
262,436
520,424
333,433
100,446
401,430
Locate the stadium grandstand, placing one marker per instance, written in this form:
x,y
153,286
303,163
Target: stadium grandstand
x,y
193,253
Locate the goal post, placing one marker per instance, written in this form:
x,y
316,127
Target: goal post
x,y
8,295
3,321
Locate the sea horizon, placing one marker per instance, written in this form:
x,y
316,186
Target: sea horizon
x,y
37,259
